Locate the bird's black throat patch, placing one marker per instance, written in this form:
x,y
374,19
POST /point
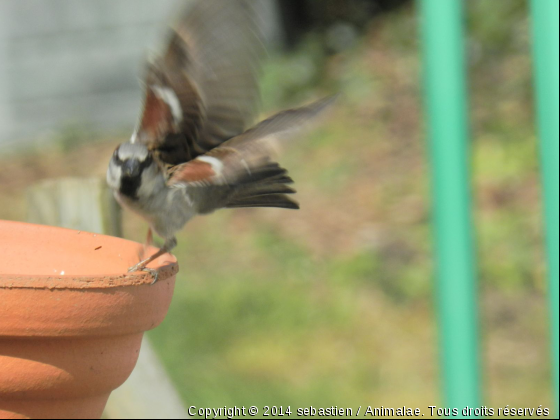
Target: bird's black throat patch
x,y
130,186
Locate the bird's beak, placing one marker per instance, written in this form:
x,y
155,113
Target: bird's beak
x,y
131,168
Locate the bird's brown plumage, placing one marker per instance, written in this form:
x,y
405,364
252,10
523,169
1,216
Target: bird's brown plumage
x,y
201,97
211,66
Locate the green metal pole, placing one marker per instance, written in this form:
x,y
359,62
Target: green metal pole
x,y
447,123
546,71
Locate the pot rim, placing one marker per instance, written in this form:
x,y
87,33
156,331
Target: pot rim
x,y
36,281
166,266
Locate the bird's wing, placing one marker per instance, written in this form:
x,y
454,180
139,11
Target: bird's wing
x,y
204,89
247,157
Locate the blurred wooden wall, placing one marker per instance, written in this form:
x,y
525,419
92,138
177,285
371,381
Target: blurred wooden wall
x,y
77,63
73,62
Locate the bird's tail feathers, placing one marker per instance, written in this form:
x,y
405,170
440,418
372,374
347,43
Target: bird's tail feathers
x,y
265,187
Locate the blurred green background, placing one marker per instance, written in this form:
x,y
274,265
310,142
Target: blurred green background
x,y
332,304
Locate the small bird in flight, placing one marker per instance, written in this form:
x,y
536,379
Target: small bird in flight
x,y
191,152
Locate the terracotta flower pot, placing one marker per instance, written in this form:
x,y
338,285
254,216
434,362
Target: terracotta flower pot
x,y
71,320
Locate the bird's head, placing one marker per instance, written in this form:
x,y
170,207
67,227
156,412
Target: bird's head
x,y
132,170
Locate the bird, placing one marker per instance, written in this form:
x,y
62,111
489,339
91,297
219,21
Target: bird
x,y
193,150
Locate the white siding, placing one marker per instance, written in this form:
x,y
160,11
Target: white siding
x,y
73,62
70,62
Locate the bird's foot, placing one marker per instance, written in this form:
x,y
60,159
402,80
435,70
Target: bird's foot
x,y
141,266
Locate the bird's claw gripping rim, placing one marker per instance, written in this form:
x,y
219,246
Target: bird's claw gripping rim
x,y
139,267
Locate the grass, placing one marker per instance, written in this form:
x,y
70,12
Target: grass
x,y
332,305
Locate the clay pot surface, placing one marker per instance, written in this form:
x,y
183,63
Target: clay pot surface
x,y
72,318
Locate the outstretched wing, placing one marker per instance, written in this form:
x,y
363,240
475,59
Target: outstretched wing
x,y
204,89
248,157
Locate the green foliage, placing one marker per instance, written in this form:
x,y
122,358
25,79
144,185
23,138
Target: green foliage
x,y
289,79
489,25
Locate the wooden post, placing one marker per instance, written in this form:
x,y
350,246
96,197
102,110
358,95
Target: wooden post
x,y
87,204
75,203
